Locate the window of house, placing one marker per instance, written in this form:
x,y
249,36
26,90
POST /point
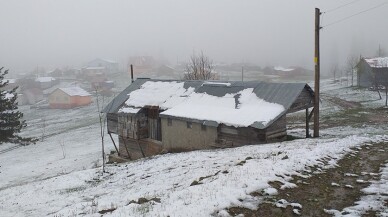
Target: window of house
x,y
189,124
203,127
169,122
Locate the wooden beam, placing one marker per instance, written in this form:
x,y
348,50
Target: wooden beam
x,y
307,123
125,146
311,114
117,150
141,149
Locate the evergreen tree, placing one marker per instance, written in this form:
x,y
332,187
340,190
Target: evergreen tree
x,y
10,118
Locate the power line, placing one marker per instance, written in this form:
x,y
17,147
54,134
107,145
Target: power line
x,y
361,12
341,6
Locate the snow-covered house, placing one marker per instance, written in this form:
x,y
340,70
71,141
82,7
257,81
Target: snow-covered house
x,y
372,71
46,82
109,65
69,97
151,116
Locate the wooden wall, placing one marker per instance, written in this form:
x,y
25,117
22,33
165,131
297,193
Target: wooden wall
x,y
364,75
305,100
229,136
132,126
154,123
112,123
138,148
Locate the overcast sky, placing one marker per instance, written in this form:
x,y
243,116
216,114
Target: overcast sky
x,y
57,33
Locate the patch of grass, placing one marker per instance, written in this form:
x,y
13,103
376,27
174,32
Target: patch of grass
x,y
72,190
143,200
104,211
195,182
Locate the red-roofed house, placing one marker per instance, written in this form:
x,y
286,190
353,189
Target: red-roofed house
x,y
69,97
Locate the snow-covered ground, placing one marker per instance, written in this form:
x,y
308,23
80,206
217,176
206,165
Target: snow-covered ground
x,y
58,177
375,198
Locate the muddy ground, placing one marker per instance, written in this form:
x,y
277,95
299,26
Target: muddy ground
x,y
334,188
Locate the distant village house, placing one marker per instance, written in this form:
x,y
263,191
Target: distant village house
x,y
372,72
109,65
69,97
46,82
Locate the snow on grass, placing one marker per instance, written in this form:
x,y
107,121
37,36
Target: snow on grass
x,y
375,198
38,180
54,156
224,178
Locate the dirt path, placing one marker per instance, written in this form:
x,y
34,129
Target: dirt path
x,y
341,102
334,188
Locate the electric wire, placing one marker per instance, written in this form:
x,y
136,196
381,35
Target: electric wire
x,y
341,6
361,12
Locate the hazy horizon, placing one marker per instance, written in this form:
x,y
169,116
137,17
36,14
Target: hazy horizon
x,y
60,33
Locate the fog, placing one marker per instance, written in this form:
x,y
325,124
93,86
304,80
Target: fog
x,y
58,33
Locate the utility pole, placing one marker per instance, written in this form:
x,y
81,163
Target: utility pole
x,y
317,73
131,73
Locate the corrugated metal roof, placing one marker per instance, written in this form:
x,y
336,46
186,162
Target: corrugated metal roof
x,y
280,93
284,94
119,100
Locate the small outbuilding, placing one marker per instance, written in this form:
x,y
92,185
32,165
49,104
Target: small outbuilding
x,y
153,116
69,97
372,71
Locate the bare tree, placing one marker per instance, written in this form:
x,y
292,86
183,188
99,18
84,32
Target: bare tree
x,y
351,64
102,121
334,71
200,67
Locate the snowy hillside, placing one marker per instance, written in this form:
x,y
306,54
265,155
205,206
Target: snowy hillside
x,y
61,176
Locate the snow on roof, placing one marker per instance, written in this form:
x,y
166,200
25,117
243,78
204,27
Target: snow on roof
x,y
74,91
95,67
280,68
220,103
129,110
217,83
241,109
378,62
164,94
45,79
109,61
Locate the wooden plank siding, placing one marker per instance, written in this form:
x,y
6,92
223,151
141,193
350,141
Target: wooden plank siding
x,y
303,102
132,126
154,123
229,136
112,123
139,148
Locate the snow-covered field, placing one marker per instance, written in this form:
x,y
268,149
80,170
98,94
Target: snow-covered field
x,y
59,177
